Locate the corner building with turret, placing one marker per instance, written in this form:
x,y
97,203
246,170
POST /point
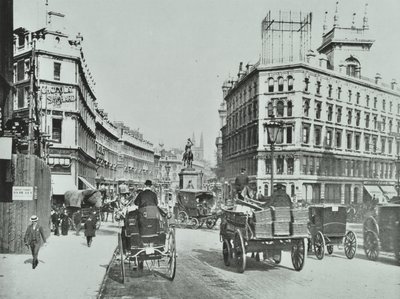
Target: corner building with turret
x,y
340,134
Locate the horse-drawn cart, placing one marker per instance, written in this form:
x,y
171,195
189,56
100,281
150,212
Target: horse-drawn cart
x,y
328,227
195,208
148,238
383,232
268,232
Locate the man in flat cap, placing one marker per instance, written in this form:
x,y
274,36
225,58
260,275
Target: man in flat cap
x,y
33,236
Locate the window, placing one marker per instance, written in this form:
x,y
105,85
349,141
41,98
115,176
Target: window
x,y
339,115
290,83
390,126
390,106
339,91
374,144
338,140
306,107
349,95
349,116
289,134
330,112
289,108
268,165
56,133
270,110
20,70
383,145
357,141
27,68
383,124
383,105
352,67
306,134
279,109
280,84
290,165
367,120
57,71
271,85
375,122
317,135
357,98
318,110
366,143
358,113
318,87
390,146
329,90
375,102
349,136
367,100
306,83
329,138
279,165
21,97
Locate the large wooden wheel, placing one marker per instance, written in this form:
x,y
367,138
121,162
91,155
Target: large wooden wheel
x,y
350,245
182,217
371,245
227,252
319,245
194,223
121,253
298,254
329,248
171,265
239,251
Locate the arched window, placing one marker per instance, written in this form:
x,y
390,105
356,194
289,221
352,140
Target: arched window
x,y
358,119
306,107
280,84
390,126
352,67
330,113
290,83
375,123
289,108
318,110
279,109
339,115
271,85
270,110
367,121
349,116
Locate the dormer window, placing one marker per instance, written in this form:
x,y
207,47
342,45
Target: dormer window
x,y
352,67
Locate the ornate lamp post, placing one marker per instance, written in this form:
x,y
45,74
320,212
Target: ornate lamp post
x,y
397,162
273,128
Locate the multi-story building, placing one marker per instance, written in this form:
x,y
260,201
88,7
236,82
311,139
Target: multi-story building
x,y
54,88
340,130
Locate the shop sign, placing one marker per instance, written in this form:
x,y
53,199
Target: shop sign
x,y
22,193
57,95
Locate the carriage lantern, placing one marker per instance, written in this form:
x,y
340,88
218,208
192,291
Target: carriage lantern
x,y
273,128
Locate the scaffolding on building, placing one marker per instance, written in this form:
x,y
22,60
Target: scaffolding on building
x,y
286,37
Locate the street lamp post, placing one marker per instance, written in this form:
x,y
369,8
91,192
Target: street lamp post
x,y
398,175
273,128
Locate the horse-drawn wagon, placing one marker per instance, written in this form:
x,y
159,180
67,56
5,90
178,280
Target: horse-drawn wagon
x,y
382,232
196,208
328,228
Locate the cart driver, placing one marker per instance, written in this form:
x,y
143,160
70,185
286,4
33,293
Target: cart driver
x,y
242,181
147,197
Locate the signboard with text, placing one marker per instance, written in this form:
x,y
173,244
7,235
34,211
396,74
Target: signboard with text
x,y
57,96
22,193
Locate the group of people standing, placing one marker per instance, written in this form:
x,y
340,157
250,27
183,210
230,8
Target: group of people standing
x,y
60,219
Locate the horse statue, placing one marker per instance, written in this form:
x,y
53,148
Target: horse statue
x,y
187,158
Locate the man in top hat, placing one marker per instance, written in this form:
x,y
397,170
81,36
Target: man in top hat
x,y
33,236
146,197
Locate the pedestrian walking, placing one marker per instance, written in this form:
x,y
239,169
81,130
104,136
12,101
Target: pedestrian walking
x,y
33,236
55,219
64,224
90,230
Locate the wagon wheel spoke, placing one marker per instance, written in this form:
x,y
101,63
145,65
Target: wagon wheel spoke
x,y
298,254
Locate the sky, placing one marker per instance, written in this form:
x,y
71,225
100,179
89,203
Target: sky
x,y
159,64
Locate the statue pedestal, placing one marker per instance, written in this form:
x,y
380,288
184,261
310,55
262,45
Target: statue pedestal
x,y
190,174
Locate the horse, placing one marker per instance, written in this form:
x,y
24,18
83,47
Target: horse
x,y
187,158
108,208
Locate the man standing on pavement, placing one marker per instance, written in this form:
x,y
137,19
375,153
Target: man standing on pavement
x,y
90,230
55,219
33,236
242,181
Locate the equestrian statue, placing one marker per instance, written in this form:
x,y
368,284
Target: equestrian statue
x,y
188,155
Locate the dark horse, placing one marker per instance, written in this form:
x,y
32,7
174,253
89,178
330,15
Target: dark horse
x,y
108,208
187,158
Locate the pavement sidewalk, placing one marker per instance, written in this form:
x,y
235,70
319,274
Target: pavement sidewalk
x,y
67,268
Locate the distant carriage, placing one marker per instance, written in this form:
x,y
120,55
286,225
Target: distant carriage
x,y
327,224
382,232
196,208
81,204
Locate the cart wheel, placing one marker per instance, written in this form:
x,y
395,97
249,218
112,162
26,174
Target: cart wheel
x,y
121,252
210,223
319,245
298,254
171,270
277,257
227,252
194,223
329,248
371,245
182,217
201,223
240,251
350,245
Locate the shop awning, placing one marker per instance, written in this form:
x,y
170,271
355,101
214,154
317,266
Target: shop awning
x,y
62,183
375,191
389,191
85,181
